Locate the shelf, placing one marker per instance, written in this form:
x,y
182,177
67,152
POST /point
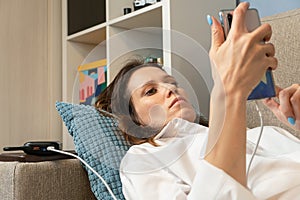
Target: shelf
x,y
147,32
93,35
150,16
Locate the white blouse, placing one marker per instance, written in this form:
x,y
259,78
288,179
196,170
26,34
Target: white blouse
x,y
176,168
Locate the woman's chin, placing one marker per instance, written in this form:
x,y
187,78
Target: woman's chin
x,y
186,114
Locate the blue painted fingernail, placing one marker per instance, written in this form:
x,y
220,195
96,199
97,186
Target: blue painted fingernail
x,y
291,120
209,20
221,18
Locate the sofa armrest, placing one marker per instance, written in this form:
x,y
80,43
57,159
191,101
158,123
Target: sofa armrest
x,y
59,179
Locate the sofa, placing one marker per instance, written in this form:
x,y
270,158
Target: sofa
x,y
65,178
47,180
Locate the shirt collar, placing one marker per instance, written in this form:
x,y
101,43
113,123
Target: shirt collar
x,y
179,127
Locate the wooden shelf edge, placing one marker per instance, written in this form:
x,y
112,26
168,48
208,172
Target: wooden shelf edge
x,y
83,36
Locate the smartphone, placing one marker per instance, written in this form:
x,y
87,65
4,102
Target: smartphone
x,y
266,87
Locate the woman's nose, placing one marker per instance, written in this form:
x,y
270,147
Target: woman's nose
x,y
170,89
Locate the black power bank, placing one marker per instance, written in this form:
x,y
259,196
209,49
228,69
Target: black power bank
x,y
36,148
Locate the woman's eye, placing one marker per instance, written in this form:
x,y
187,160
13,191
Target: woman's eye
x,y
175,83
151,92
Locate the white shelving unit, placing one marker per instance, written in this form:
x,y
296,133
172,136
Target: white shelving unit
x,y
172,29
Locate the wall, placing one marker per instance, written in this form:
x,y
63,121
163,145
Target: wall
x,y
193,24
30,71
271,7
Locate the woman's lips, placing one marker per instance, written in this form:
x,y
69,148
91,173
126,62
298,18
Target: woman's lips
x,y
176,100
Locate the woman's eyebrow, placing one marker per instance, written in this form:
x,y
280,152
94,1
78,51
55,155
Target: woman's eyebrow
x,y
141,89
169,77
151,82
147,84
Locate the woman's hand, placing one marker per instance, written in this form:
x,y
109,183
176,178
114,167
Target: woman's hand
x,y
287,109
240,61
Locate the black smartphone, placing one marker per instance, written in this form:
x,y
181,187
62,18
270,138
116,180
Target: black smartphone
x,y
266,87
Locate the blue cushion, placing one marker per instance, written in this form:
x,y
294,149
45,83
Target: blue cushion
x,y
99,142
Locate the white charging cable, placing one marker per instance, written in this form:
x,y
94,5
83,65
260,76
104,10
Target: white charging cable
x,y
50,148
258,139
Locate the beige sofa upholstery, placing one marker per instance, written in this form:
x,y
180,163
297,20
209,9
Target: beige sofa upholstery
x,y
48,180
66,179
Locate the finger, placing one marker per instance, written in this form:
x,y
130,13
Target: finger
x,y
285,103
272,105
217,34
277,90
295,101
271,62
238,20
262,33
269,49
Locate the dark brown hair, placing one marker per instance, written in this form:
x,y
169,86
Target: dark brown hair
x,y
116,99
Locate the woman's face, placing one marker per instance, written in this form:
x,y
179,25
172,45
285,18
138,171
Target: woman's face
x,y
157,99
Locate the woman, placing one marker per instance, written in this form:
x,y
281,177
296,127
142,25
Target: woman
x,y
175,158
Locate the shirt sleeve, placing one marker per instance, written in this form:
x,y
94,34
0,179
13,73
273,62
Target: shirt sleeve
x,y
209,183
159,185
